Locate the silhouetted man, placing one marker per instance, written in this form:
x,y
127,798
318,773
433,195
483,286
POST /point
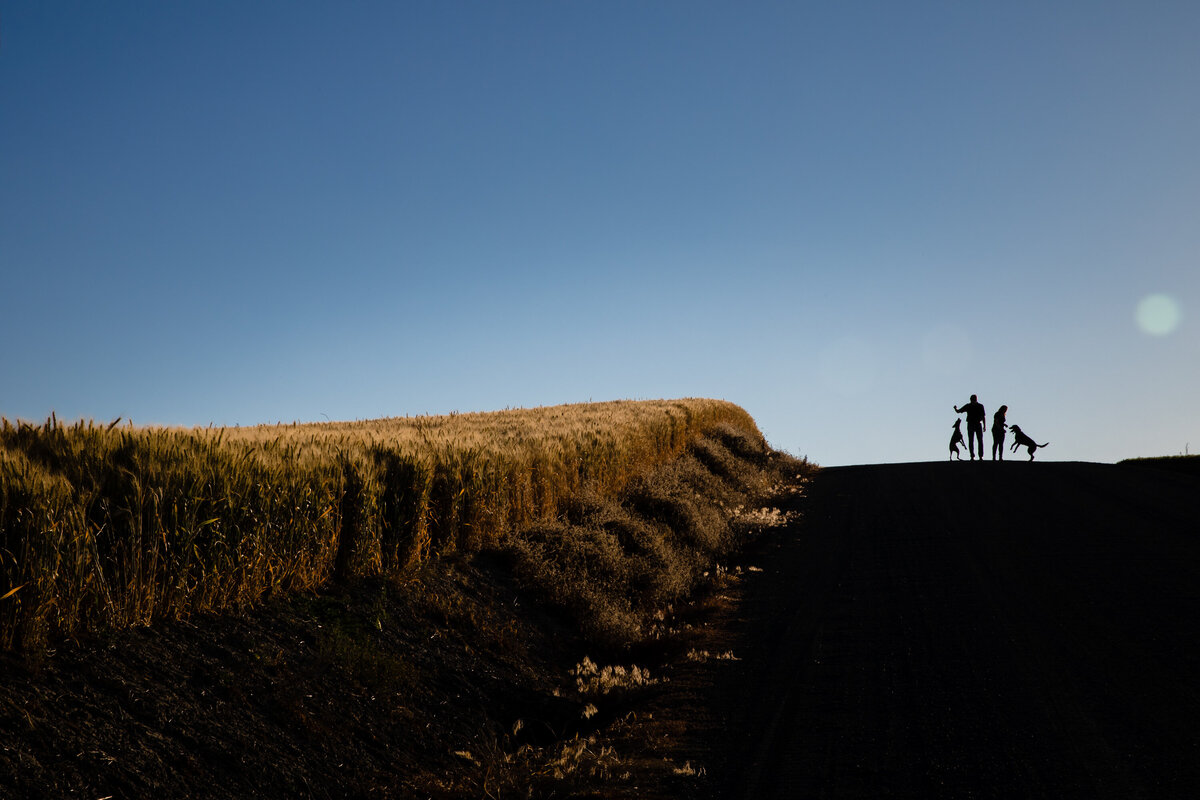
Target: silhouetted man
x,y
975,417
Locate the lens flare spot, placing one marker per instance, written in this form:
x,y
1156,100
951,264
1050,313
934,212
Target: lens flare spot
x,y
1158,314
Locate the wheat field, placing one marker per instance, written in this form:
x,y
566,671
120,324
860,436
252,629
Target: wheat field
x,y
108,526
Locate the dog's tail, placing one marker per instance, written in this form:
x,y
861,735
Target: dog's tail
x,y
1043,445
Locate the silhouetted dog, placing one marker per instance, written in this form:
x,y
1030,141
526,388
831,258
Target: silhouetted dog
x,y
956,439
1021,440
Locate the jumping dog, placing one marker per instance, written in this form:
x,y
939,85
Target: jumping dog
x,y
956,439
1020,439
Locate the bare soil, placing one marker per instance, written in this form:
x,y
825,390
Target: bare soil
x,y
456,684
367,690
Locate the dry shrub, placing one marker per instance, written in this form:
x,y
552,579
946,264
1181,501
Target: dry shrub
x,y
661,570
745,443
692,520
581,572
610,564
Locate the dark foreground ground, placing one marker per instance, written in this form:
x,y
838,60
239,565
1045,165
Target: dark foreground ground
x,y
965,630
970,630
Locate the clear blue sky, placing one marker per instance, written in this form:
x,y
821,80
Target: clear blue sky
x,y
845,217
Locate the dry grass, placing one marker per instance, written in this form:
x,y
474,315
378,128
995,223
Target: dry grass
x,y
591,679
470,658
107,526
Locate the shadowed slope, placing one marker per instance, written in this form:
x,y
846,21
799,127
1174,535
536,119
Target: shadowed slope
x,y
974,630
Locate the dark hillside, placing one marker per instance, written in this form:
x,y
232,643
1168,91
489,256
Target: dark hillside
x,y
1189,465
972,630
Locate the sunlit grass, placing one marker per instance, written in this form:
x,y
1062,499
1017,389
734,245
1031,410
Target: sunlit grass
x,y
107,526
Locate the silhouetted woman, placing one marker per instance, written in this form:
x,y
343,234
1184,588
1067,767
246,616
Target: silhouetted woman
x,y
998,428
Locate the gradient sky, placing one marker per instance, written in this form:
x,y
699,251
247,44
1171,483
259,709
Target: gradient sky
x,y
844,217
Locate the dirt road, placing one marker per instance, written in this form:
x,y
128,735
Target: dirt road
x,y
973,630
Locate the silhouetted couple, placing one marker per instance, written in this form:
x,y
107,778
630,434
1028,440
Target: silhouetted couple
x,y
975,419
